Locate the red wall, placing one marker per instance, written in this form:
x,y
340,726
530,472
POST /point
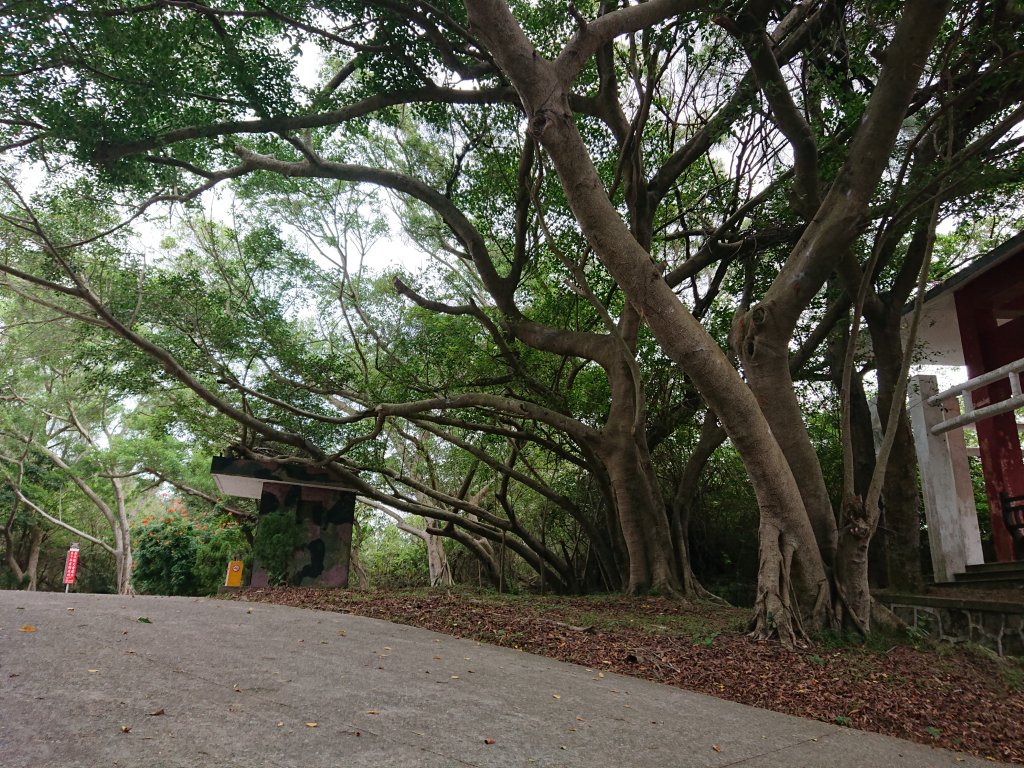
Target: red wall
x,y
990,311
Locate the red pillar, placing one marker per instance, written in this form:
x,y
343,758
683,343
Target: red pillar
x,y
989,311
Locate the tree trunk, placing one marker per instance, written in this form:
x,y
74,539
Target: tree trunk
x,y
639,506
853,604
35,545
11,558
437,560
762,343
684,500
641,515
900,490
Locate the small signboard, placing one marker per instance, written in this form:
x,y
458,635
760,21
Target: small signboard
x,y
71,567
234,578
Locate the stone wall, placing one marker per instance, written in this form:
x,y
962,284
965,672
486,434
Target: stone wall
x,y
999,626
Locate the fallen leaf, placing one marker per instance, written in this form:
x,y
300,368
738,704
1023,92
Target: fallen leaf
x,y
144,620
126,729
373,711
157,712
341,633
488,741
27,628
555,696
280,723
312,725
70,610
716,748
323,642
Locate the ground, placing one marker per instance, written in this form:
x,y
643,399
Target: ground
x,y
963,699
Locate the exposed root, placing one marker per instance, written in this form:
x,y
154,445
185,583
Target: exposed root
x,y
884,619
776,611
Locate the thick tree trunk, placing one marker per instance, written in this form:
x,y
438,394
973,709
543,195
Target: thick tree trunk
x,y
853,603
641,515
123,559
762,343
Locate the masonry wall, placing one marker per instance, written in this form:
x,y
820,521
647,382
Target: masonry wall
x,y
999,626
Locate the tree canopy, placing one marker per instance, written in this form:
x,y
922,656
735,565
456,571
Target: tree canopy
x,y
649,223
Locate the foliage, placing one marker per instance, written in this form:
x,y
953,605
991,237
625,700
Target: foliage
x,y
177,554
274,544
539,391
392,558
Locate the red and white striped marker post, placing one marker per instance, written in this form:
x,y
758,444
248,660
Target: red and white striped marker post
x,y
70,567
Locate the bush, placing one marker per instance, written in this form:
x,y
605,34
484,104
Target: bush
x,y
277,538
392,558
180,555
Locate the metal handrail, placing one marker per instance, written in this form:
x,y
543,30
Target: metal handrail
x,y
972,415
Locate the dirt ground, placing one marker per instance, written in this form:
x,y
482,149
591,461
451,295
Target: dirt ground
x,y
963,699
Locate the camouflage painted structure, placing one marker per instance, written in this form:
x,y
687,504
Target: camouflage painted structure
x,y
323,511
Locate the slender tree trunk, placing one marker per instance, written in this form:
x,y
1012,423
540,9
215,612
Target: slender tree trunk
x,y
684,501
900,490
853,606
437,561
11,558
122,539
35,545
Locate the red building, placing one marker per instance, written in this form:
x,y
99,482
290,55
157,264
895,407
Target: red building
x,y
974,319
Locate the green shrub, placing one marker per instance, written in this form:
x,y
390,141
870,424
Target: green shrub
x,y
277,538
165,557
393,558
177,554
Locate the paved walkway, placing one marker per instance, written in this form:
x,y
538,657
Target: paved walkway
x,y
209,683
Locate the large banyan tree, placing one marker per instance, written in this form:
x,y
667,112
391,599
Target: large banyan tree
x,y
713,184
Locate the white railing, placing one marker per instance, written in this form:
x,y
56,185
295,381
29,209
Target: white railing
x,y
970,414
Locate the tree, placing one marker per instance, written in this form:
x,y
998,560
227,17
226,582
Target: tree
x,y
632,108
54,436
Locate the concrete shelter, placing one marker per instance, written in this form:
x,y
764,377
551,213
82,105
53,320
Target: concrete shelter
x,y
323,511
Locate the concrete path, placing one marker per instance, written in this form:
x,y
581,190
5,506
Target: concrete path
x,y
210,683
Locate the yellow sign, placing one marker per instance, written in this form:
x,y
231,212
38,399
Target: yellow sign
x,y
234,578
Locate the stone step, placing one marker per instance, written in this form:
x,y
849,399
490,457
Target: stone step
x,y
994,578
1015,567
